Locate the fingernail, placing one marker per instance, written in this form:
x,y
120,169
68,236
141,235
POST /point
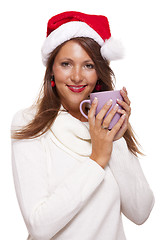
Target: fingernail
x,y
109,102
95,100
118,100
116,107
123,116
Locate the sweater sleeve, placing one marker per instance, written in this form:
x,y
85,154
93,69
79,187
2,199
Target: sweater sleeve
x,y
137,199
47,213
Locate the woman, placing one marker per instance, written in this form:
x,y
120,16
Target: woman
x,y
74,178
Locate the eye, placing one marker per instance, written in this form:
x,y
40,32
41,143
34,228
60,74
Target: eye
x,y
89,66
65,64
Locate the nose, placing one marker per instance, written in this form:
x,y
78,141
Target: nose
x,y
76,75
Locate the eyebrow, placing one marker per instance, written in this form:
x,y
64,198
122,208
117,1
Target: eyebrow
x,y
69,59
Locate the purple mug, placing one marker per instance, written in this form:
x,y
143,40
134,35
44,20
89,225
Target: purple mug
x,y
103,97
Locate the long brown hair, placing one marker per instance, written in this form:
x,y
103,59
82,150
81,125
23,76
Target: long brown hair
x,y
48,103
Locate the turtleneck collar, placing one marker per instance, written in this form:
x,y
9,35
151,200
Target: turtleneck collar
x,y
70,133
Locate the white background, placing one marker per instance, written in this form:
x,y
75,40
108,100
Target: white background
x,y
23,30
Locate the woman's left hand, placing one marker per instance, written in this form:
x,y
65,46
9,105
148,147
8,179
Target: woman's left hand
x,y
126,109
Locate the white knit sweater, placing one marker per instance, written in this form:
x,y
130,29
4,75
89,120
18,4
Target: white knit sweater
x,y
64,195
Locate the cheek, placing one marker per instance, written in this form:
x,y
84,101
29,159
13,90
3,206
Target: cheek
x,y
60,75
93,79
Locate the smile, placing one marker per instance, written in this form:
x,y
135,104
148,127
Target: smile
x,y
76,89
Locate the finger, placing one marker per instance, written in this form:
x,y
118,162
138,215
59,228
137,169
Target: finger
x,y
124,94
121,111
122,130
92,112
124,89
118,125
110,115
125,106
102,113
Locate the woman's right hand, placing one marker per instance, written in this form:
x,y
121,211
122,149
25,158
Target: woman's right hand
x,y
102,139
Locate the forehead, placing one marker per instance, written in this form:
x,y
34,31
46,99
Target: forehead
x,y
72,49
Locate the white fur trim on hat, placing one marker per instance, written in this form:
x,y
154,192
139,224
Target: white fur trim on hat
x,y
66,32
112,49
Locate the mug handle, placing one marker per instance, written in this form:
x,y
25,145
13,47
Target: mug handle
x,y
84,101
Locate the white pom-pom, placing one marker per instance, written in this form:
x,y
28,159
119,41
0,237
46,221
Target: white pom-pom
x,y
112,49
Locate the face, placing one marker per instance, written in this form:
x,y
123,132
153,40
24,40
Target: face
x,y
75,75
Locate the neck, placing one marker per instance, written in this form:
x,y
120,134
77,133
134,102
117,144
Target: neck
x,y
77,114
80,117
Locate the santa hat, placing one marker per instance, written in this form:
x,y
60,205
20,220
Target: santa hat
x,y
67,25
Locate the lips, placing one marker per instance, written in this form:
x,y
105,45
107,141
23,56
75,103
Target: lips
x,y
76,88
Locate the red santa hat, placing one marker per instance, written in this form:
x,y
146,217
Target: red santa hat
x,y
67,25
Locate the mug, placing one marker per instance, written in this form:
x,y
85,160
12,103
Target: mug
x,y
103,97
